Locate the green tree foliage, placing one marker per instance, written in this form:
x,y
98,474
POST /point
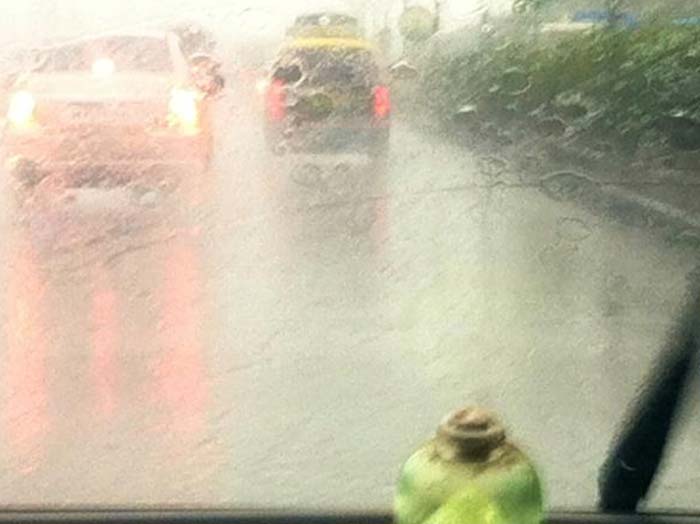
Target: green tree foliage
x,y
526,6
416,24
627,88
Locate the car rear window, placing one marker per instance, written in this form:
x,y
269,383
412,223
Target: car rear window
x,y
349,67
324,19
145,54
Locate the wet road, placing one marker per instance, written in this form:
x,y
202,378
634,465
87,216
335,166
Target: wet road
x,y
289,341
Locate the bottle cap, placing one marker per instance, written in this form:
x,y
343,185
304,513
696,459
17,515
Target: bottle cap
x,y
469,433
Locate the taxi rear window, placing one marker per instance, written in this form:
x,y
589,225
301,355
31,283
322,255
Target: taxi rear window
x,y
336,66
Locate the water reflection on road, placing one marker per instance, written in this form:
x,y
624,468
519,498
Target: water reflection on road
x,y
105,349
118,369
25,412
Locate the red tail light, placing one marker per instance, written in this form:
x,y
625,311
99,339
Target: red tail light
x,y
276,101
382,102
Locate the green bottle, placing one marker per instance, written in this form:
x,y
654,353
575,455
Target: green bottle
x,y
469,474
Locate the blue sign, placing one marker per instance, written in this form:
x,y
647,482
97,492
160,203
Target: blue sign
x,y
602,16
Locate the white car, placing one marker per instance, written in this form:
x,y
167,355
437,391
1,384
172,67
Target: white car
x,y
106,109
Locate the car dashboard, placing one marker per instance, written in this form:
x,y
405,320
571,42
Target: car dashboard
x,y
227,516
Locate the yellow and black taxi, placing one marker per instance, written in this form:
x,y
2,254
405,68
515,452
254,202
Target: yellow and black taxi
x,y
124,105
327,95
325,24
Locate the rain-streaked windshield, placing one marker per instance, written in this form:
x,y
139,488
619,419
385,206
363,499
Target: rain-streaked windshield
x,y
253,252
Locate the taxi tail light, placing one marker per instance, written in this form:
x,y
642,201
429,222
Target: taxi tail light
x,y
20,111
184,109
381,102
276,101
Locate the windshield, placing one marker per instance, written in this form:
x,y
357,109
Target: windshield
x,y
264,281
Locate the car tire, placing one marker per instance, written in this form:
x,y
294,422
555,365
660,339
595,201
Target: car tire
x,y
17,196
21,184
196,180
379,153
207,152
274,140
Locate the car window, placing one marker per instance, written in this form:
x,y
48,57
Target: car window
x,y
324,19
336,66
262,282
128,53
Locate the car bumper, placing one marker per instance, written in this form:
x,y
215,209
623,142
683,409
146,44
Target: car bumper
x,y
327,139
124,154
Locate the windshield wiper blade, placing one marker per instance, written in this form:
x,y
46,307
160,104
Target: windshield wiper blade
x,y
635,455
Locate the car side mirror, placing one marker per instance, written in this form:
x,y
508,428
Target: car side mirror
x,y
205,73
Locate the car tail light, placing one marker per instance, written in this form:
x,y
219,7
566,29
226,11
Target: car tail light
x,y
21,109
184,109
381,102
276,101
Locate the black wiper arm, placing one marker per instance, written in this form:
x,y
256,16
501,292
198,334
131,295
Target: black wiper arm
x,y
634,457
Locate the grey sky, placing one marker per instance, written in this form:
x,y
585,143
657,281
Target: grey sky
x,y
245,18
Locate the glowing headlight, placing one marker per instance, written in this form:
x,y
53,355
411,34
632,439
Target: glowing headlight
x,y
21,109
183,108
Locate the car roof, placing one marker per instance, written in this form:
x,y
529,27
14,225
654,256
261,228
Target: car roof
x,y
325,8
321,13
149,34
321,43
